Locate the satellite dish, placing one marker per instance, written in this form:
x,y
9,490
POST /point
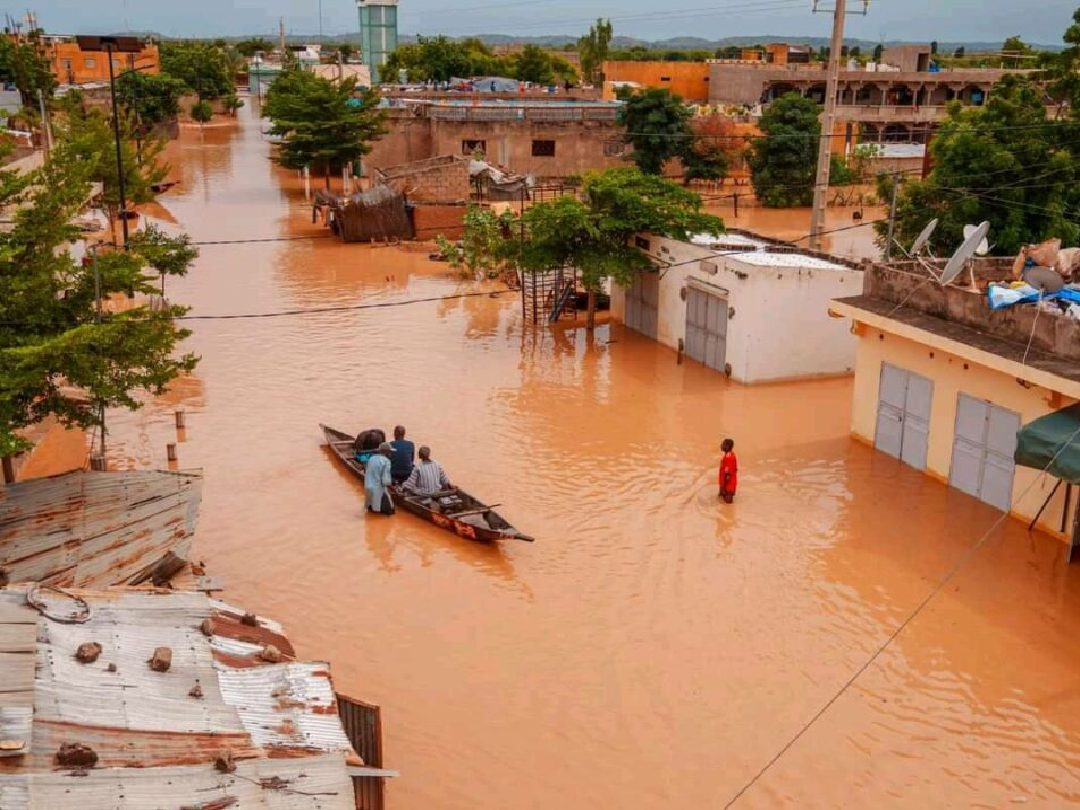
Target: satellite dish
x,y
984,245
924,238
964,253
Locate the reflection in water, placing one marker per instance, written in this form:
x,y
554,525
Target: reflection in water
x,y
666,646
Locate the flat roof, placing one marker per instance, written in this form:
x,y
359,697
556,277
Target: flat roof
x,y
1041,368
760,258
728,240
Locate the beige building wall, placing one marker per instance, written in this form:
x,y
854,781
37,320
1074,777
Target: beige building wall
x,y
952,375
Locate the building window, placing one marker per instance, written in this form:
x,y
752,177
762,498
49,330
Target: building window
x,y
543,148
665,78
67,64
469,146
641,243
89,63
614,148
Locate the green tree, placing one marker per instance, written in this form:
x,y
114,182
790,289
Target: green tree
x,y
960,52
783,161
248,47
346,49
89,138
24,64
321,122
658,127
1064,70
202,112
934,48
1015,45
204,69
879,51
150,99
48,336
596,235
1002,163
595,48
534,65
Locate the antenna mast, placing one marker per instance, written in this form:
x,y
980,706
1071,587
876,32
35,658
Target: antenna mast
x,y
828,121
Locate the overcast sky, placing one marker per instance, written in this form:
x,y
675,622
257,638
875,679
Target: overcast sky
x,y
1040,21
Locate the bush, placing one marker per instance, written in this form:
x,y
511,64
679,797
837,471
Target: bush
x,y
202,112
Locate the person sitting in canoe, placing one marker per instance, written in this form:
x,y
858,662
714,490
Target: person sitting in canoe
x,y
404,456
377,482
367,444
427,477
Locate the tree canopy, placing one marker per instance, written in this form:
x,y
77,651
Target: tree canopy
x,y
321,122
208,70
595,48
48,335
440,59
658,127
783,161
151,99
23,63
596,235
1004,163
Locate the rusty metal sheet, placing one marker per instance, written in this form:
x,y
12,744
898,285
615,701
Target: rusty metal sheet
x,y
311,783
95,529
18,643
286,705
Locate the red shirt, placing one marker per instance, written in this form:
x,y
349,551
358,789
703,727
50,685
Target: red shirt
x,y
729,468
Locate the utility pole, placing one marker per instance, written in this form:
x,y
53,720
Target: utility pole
x,y
119,152
281,34
828,122
892,218
320,22
97,320
46,127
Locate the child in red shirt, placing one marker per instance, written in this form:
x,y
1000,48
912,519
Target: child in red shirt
x,y
728,477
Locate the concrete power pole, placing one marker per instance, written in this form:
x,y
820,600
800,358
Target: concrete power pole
x,y
281,33
828,123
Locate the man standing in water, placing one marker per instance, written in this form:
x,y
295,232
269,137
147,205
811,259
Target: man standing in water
x,y
401,462
377,482
728,477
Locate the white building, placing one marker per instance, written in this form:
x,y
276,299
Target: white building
x,y
755,310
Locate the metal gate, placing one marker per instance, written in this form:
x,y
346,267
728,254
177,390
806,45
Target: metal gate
x,y
363,726
706,328
903,421
642,303
983,447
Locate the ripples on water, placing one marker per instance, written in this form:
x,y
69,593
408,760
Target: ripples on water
x,y
652,648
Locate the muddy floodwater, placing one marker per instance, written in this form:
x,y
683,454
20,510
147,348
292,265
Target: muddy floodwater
x,y
652,648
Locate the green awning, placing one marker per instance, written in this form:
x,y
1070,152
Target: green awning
x,y
1039,444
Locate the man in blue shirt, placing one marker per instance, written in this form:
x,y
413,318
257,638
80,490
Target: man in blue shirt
x,y
402,457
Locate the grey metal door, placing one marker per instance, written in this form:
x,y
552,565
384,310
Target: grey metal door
x,y
706,328
983,447
642,300
903,422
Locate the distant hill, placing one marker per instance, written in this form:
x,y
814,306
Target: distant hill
x,y
622,42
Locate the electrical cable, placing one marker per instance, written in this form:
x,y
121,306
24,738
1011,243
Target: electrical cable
x,y
937,589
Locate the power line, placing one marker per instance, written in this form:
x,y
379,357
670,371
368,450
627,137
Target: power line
x,y
937,589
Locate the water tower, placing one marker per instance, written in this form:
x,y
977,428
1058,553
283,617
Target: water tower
x,y
378,32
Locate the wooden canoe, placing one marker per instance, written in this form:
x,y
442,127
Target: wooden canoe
x,y
454,510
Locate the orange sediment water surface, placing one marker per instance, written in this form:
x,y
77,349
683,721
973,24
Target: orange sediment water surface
x,y
653,648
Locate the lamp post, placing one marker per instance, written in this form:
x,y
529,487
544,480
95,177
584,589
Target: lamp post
x,y
111,45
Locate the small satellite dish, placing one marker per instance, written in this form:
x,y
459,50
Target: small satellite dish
x,y
964,254
984,245
924,238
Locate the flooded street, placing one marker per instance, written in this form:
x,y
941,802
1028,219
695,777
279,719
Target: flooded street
x,y
652,648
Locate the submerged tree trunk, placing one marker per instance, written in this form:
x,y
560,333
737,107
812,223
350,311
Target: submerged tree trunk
x,y
590,311
327,172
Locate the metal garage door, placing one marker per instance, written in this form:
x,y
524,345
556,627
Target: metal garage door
x,y
706,328
903,422
983,447
642,299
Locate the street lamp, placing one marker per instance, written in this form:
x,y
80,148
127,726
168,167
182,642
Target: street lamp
x,y
111,45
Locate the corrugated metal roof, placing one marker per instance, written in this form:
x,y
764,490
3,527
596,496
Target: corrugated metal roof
x,y
95,529
286,705
155,741
310,783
